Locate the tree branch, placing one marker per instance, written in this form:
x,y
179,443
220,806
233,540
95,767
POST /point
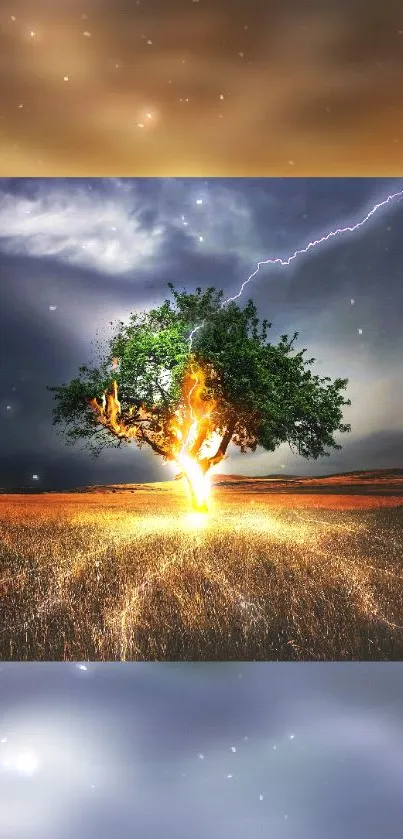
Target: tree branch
x,y
200,438
207,462
155,447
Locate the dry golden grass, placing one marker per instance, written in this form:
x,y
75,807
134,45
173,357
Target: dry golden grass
x,y
131,575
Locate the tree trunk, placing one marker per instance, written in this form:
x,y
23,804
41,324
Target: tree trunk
x,y
207,462
196,505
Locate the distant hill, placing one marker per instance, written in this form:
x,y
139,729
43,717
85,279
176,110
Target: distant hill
x,y
368,479
364,474
218,478
339,477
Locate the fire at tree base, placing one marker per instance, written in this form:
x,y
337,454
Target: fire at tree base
x,y
198,485
199,507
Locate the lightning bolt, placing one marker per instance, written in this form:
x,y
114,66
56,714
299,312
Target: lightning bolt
x,y
284,262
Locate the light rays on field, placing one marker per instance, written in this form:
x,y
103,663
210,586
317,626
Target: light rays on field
x,y
136,576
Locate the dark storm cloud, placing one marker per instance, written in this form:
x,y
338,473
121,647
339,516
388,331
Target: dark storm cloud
x,y
77,254
311,751
201,87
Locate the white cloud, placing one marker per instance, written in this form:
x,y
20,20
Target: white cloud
x,y
216,218
86,229
101,228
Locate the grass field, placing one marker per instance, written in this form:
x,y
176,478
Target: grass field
x,y
307,572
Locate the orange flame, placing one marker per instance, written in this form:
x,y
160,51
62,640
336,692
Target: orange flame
x,y
192,427
109,414
187,437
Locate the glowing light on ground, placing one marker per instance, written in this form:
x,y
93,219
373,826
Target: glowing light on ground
x,y
268,572
197,521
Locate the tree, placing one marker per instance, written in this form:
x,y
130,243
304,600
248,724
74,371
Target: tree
x,y
195,375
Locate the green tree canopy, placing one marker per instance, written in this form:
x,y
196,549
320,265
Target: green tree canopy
x,y
265,394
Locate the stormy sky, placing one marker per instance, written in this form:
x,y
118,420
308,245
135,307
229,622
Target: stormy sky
x,y
76,254
300,751
200,87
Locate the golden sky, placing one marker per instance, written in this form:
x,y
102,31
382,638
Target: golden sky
x,y
201,87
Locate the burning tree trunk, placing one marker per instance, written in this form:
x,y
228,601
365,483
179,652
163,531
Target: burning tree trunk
x,y
193,426
188,431
198,485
